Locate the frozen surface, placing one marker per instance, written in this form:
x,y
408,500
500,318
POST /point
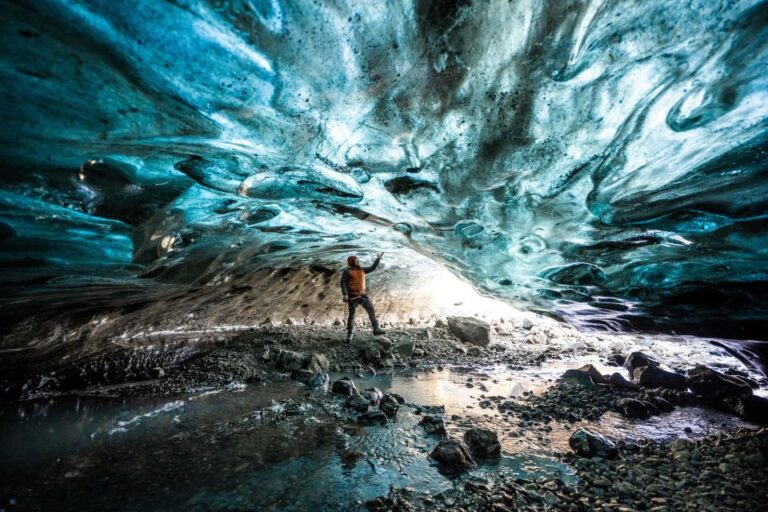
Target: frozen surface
x,y
605,161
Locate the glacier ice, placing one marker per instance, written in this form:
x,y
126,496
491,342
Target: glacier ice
x,y
603,161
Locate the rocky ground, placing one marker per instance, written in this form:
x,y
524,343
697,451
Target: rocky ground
x,y
637,380
719,473
269,351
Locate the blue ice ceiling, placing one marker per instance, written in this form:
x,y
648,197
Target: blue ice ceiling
x,y
603,161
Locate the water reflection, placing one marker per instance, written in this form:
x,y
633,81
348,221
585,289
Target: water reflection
x,y
273,447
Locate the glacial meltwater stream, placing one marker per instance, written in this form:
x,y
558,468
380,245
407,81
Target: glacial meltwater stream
x,y
273,446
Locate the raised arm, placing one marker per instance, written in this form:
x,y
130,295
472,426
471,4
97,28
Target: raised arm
x,y
370,269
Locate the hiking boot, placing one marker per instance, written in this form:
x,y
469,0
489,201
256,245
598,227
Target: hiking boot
x,y
378,331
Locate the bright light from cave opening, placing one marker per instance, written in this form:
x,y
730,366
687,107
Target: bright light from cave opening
x,y
448,293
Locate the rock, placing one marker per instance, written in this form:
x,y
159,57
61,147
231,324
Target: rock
x,y
319,382
157,373
616,360
591,444
470,330
344,386
372,418
439,323
399,398
374,350
389,405
398,500
749,407
405,348
429,409
358,403
585,376
618,380
742,377
661,403
632,408
484,444
318,363
433,424
289,360
680,445
574,377
301,375
655,377
710,383
638,360
374,395
452,457
370,354
527,324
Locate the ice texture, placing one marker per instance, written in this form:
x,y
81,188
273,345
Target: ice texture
x,y
603,161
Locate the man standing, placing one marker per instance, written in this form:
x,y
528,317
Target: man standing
x,y
353,290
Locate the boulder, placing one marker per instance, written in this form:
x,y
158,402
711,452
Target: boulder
x,y
617,380
681,445
399,398
344,386
319,382
291,361
749,407
482,443
741,376
318,363
661,403
632,408
655,377
373,351
370,354
433,424
374,395
575,377
389,405
710,383
405,348
470,330
591,444
372,418
585,376
429,409
301,375
358,403
452,456
597,377
615,360
638,360
527,324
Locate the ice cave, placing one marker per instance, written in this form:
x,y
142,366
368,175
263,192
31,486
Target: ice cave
x,y
385,255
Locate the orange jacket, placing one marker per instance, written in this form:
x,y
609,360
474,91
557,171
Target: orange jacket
x,y
353,280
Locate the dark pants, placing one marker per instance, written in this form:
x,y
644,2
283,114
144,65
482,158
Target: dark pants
x,y
367,305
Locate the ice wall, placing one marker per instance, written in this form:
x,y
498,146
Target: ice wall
x,y
603,161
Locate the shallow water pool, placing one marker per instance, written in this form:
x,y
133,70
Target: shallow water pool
x,y
273,447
